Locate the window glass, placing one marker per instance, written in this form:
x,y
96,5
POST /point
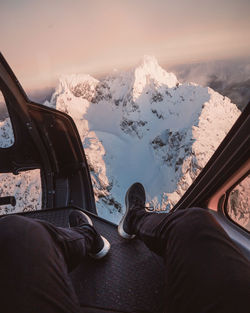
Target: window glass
x,y
6,131
239,203
25,187
143,118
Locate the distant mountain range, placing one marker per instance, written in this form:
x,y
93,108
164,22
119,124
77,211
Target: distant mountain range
x,y
231,78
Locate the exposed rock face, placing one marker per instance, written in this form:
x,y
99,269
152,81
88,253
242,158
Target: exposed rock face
x,y
143,125
239,203
6,133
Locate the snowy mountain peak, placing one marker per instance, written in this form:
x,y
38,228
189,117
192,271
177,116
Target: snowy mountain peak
x,y
150,74
142,125
149,65
80,85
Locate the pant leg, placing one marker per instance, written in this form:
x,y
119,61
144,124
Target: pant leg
x,y
204,270
34,264
75,243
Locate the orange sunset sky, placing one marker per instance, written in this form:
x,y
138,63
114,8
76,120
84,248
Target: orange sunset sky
x,y
43,39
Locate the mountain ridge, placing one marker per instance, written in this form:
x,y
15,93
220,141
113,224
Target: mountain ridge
x,y
143,125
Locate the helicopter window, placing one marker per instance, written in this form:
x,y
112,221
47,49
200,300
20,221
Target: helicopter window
x,y
238,204
6,131
25,187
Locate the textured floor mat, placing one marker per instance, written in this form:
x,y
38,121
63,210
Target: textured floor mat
x,y
129,279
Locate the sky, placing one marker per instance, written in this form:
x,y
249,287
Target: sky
x,y
42,40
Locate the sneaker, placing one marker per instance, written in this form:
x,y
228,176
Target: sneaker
x,y
134,200
101,245
79,218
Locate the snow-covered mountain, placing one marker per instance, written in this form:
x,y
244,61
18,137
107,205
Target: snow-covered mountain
x,y
143,125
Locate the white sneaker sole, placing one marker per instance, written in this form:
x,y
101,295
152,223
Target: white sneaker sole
x,y
106,246
88,218
104,250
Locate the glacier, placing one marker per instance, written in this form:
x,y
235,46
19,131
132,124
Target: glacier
x,y
138,125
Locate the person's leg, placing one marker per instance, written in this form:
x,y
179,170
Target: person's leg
x,y
35,259
34,275
78,241
205,271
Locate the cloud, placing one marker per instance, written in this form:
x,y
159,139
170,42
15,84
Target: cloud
x,y
229,77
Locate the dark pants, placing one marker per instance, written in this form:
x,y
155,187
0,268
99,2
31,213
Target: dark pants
x,y
34,263
205,272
